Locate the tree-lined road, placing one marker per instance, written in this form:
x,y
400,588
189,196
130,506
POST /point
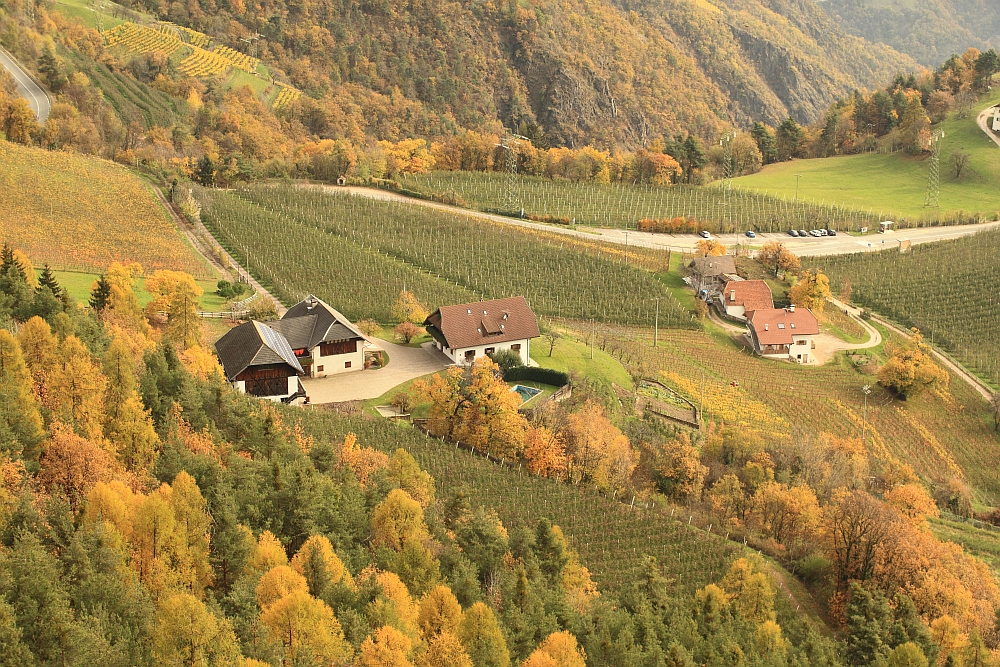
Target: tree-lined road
x,y
26,86
810,246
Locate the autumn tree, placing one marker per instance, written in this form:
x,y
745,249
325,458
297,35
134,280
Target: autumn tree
x,y
682,474
321,567
544,452
750,593
910,368
710,248
73,464
20,417
183,323
397,520
439,612
386,647
266,555
811,291
597,449
482,638
186,633
407,308
76,389
855,527
403,472
307,629
785,513
559,649
776,255
445,650
407,331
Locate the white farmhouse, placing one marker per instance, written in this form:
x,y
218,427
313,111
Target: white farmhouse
x,y
468,331
783,333
996,119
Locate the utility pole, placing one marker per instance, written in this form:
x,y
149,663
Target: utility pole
x,y
797,177
727,156
593,335
864,415
656,322
626,248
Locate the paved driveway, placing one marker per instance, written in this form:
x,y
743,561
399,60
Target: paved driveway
x,y
405,363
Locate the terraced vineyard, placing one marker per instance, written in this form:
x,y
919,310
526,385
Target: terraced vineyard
x,y
947,290
941,437
360,252
188,35
717,209
239,60
204,63
140,39
286,95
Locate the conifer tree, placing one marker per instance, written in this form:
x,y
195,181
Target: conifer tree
x,y
100,294
20,418
46,279
482,638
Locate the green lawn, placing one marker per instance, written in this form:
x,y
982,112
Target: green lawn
x,y
570,355
896,184
981,543
83,10
78,285
240,78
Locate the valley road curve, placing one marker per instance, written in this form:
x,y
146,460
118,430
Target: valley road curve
x,y
37,98
842,244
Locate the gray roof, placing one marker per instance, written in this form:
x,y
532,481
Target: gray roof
x,y
254,344
311,322
713,266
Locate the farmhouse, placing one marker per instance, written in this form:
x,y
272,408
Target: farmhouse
x,y
708,274
783,333
467,331
996,119
739,297
265,359
258,361
325,342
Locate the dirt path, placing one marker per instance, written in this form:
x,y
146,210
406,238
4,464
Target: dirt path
x,y
197,233
983,390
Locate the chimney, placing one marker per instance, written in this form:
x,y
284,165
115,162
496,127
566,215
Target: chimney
x,y
791,308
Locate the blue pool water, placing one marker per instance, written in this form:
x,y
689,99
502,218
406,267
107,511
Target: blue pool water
x,y
526,393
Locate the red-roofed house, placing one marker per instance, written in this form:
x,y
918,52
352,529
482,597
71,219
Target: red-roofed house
x,y
783,333
739,297
467,331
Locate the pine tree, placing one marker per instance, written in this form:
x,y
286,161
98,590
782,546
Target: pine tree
x,y
20,420
46,279
480,634
100,294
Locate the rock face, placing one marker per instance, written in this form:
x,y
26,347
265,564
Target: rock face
x,y
928,30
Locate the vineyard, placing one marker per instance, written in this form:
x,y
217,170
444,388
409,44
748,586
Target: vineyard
x,y
944,289
140,39
286,95
717,209
941,437
77,212
611,537
358,253
190,36
204,63
239,60
131,99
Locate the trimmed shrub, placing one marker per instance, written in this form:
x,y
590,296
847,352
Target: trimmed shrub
x,y
533,374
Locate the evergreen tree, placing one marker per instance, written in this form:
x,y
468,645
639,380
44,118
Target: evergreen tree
x,y
100,294
20,420
868,615
765,142
46,279
205,173
789,140
49,68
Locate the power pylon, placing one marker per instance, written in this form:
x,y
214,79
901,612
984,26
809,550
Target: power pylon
x,y
251,43
508,144
934,171
727,156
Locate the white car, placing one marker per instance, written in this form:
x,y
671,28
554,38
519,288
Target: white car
x,y
705,234
815,232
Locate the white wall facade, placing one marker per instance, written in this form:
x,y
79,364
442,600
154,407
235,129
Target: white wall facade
x,y
337,363
458,356
293,386
735,311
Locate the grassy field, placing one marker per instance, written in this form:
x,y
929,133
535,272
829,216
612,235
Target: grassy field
x,y
77,212
944,289
79,284
363,251
571,355
896,185
980,542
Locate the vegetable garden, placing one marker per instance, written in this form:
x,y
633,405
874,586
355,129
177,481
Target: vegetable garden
x,y
947,290
359,253
717,209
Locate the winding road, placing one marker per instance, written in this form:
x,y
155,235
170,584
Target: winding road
x,y
809,246
983,121
37,98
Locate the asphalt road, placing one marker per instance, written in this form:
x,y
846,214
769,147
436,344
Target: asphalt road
x,y
37,98
984,120
842,244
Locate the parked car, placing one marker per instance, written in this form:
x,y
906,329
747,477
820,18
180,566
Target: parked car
x,y
822,232
750,234
831,232
803,232
704,234
815,232
792,232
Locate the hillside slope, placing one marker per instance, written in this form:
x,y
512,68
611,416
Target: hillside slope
x,y
612,71
927,30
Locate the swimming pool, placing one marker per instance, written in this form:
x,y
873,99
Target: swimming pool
x,y
526,393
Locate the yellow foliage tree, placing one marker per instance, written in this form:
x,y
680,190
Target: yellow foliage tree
x,y
187,634
710,248
397,520
911,368
403,472
387,647
597,449
439,612
200,362
277,583
407,308
307,629
76,389
363,461
445,650
750,592
776,255
266,555
317,562
20,416
561,649
544,452
811,291
482,638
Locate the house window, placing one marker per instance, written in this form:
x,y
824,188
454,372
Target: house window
x,y
516,347
319,369
470,355
490,350
801,342
347,364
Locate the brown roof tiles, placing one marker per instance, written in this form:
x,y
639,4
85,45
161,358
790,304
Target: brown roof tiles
x,y
485,322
